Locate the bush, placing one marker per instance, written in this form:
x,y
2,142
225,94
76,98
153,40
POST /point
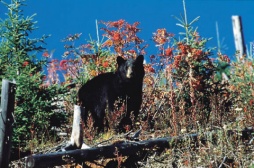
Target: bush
x,y
34,109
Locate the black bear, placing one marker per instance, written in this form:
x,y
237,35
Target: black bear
x,y
102,91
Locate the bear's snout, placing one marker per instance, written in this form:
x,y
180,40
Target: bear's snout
x,y
129,72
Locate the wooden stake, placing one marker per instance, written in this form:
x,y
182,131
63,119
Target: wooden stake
x,y
77,129
76,140
238,35
6,121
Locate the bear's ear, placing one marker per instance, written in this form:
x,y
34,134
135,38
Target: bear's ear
x,y
120,60
140,59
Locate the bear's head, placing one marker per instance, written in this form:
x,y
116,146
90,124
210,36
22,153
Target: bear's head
x,y
131,69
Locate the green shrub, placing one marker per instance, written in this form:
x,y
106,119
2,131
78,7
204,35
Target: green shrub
x,y
34,109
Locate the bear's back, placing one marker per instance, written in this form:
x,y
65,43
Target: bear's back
x,y
99,87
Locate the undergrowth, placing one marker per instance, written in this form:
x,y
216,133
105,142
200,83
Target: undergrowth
x,y
188,88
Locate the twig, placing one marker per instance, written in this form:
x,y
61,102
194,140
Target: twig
x,y
222,163
252,139
97,33
186,22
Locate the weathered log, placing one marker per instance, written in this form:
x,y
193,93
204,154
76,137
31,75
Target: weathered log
x,y
6,121
122,148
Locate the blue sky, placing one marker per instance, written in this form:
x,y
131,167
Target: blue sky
x,y
63,17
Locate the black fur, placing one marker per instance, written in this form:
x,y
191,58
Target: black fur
x,y
103,90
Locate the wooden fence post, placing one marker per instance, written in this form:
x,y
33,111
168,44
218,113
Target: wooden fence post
x,y
238,35
6,121
77,128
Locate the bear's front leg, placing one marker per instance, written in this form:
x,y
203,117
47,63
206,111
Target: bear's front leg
x,y
98,122
133,105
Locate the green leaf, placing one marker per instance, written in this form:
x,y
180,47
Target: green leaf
x,y
181,21
178,24
194,20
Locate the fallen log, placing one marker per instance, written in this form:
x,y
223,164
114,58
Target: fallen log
x,y
81,155
120,148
